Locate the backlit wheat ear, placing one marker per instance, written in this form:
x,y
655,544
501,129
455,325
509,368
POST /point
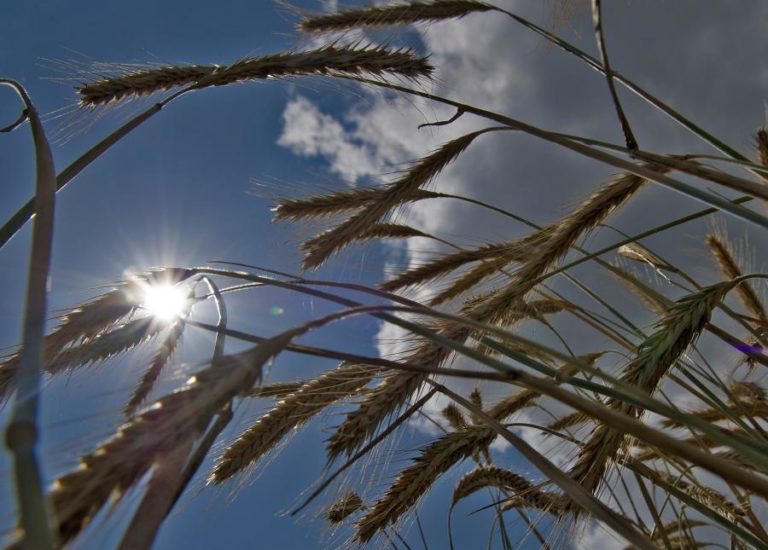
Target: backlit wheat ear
x,y
748,389
123,459
762,146
454,417
750,409
320,248
656,356
106,346
394,391
439,456
390,231
328,60
499,478
726,260
442,266
514,252
78,326
397,14
333,204
278,389
709,497
563,235
159,361
293,411
569,421
344,507
414,482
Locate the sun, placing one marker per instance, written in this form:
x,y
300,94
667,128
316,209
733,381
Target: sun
x,y
165,302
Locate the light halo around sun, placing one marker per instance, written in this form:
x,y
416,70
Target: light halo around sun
x,y
165,302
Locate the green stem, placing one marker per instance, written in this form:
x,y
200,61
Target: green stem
x,y
22,432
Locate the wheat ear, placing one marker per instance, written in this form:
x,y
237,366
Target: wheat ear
x,y
328,60
292,412
569,421
396,14
726,260
656,356
455,418
413,482
394,390
321,247
106,346
333,204
163,355
278,389
122,460
439,456
344,507
563,235
80,325
761,138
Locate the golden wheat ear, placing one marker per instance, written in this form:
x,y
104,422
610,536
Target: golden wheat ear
x,y
320,248
334,204
79,326
344,507
526,495
289,414
729,266
404,13
761,138
328,60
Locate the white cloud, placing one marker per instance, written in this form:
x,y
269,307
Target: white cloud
x,y
309,132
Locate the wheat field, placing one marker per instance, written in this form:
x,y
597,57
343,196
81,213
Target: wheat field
x,y
574,366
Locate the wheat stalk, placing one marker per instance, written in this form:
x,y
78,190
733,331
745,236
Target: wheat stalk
x,y
395,14
328,60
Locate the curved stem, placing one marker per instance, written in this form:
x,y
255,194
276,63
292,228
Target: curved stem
x,y
25,213
22,431
640,170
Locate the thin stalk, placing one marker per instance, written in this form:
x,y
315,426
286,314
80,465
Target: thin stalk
x,y
594,153
597,20
22,432
630,85
25,213
168,480
574,491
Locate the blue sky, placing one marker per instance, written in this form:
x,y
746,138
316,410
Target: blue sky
x,y
179,191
